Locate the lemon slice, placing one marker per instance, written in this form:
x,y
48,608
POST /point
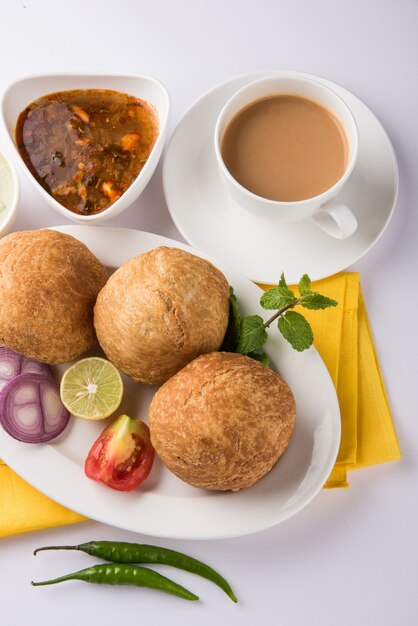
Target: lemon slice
x,y
91,389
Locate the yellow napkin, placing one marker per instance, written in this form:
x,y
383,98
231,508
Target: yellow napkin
x,y
23,508
343,338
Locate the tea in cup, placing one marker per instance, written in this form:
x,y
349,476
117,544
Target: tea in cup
x,y
285,148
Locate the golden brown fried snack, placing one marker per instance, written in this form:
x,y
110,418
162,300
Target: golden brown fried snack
x,y
159,311
48,286
222,422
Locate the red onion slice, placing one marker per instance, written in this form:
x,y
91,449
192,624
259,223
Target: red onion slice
x,y
31,409
13,364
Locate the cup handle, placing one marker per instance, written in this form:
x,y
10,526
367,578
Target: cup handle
x,y
336,219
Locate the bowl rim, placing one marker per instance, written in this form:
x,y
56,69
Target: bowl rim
x,y
10,211
113,209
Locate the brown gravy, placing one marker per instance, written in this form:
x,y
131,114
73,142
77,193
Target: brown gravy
x,y
86,146
285,148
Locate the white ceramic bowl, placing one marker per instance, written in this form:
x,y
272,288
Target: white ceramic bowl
x,y
9,195
24,91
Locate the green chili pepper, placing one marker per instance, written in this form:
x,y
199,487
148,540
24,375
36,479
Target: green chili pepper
x,y
123,574
122,552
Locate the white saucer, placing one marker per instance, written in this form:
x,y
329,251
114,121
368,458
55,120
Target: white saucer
x,y
209,220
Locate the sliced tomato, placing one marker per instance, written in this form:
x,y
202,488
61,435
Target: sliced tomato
x,y
122,456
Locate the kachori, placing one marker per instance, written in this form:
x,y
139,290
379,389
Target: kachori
x,y
159,311
222,422
49,282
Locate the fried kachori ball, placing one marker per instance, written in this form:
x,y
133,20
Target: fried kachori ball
x,y
222,422
49,283
159,311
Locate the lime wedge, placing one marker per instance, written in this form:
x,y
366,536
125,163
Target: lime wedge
x,y
91,389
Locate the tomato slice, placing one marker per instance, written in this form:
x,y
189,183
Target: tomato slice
x,y
122,456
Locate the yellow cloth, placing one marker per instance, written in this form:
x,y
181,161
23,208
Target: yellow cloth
x,y
343,338
23,508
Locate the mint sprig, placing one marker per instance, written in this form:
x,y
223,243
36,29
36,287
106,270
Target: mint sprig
x,y
277,298
316,301
294,327
260,356
253,334
232,339
304,285
234,324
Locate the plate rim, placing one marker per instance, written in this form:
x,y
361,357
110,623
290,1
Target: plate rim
x,y
182,227
49,491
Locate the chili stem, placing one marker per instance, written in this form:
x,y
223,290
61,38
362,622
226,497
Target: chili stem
x,y
52,581
35,552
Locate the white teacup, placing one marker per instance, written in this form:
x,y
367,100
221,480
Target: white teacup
x,y
330,214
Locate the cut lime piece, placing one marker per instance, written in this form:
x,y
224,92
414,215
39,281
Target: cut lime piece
x,y
92,389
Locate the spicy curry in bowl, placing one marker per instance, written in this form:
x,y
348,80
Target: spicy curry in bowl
x,y
86,146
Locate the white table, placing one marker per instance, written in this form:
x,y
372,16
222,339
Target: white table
x,y
350,557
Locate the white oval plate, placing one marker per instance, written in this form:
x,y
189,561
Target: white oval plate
x,y
211,221
165,506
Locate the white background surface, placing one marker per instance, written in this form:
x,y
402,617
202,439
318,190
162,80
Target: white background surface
x,y
350,557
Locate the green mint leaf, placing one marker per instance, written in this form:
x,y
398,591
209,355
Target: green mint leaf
x,y
315,300
304,285
296,329
260,356
282,281
232,333
277,298
234,312
253,335
284,287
